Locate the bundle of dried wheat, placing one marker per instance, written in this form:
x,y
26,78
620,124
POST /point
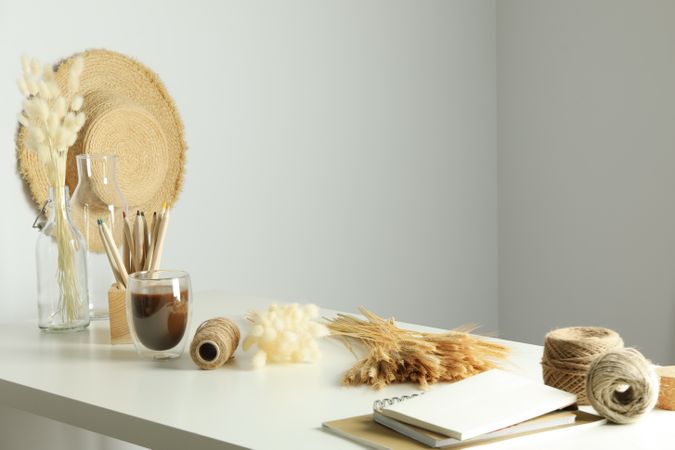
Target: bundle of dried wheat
x,y
396,355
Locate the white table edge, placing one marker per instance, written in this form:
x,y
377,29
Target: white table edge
x,y
97,419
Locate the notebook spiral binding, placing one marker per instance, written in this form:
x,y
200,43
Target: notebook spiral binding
x,y
379,404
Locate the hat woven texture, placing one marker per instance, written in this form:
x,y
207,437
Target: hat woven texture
x,y
130,114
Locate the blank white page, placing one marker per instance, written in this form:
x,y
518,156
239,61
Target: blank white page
x,y
480,404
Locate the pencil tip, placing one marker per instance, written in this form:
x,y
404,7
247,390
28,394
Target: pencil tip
x,y
124,214
138,212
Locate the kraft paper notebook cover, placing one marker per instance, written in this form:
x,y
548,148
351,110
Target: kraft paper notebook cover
x,y
478,405
364,430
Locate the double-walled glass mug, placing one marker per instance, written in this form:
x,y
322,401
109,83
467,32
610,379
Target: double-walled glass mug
x,y
159,307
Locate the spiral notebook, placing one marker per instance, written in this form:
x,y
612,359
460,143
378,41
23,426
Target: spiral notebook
x,y
494,405
477,405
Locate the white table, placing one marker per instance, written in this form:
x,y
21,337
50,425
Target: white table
x,y
81,380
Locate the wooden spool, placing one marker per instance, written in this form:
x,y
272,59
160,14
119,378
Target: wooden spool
x,y
667,389
117,310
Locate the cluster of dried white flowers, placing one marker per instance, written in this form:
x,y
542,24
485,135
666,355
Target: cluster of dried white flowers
x,y
51,118
285,334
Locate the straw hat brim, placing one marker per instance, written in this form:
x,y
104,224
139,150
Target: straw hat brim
x,y
130,114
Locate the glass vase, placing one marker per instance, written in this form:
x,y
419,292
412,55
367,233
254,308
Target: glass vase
x,y
98,196
63,301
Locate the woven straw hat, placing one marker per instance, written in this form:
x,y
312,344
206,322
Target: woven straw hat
x,y
129,114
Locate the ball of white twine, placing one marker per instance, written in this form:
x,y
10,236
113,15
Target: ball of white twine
x,y
622,385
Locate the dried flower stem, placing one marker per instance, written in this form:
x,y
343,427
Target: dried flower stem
x,y
395,355
70,299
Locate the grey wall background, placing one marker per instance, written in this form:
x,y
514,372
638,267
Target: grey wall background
x,y
586,162
342,153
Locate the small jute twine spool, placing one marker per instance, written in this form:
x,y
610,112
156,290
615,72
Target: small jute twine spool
x,y
622,385
667,389
568,353
214,343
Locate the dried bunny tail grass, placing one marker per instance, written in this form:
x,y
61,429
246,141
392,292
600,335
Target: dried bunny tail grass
x,y
42,132
74,75
23,86
395,355
76,103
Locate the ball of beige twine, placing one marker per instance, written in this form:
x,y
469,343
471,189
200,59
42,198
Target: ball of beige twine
x,y
569,352
622,385
214,343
